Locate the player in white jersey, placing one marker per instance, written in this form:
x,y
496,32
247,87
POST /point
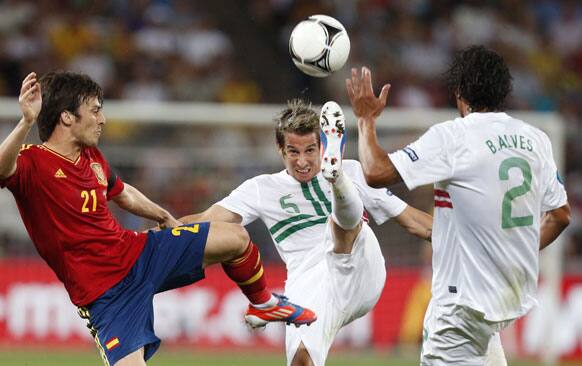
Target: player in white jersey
x,y
498,202
335,265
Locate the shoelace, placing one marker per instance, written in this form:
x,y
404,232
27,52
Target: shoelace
x,y
282,299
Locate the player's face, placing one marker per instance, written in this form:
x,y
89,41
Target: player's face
x,y
88,125
301,156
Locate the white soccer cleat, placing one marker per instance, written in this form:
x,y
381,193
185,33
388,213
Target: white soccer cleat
x,y
333,140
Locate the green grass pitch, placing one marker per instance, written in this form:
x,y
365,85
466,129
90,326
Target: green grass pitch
x,y
35,357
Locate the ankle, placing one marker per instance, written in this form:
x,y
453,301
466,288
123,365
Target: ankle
x,y
267,304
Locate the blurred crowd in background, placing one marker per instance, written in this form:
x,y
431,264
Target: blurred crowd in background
x,y
237,52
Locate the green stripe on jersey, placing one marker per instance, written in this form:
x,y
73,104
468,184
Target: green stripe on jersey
x,y
300,226
280,224
309,197
320,194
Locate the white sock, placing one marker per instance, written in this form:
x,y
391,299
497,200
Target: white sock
x,y
269,304
347,206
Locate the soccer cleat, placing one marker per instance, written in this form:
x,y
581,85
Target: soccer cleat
x,y
333,139
284,311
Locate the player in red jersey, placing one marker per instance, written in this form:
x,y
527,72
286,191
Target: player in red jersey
x,y
62,187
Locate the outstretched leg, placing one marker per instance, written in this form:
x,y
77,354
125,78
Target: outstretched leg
x,y
230,245
346,223
347,206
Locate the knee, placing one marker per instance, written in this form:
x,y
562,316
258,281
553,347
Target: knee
x,y
226,241
239,240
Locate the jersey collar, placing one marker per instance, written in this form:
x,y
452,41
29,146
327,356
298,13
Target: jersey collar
x,y
488,115
74,162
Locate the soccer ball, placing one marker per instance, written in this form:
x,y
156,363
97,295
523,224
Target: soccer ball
x,y
319,45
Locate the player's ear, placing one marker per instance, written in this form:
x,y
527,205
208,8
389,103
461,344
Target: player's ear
x,y
67,118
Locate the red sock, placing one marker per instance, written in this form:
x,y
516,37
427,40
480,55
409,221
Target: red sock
x,y
247,272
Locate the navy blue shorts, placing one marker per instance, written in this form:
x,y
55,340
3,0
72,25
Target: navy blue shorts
x,y
122,320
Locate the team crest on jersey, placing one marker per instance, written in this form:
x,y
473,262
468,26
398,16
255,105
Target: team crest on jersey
x,y
98,170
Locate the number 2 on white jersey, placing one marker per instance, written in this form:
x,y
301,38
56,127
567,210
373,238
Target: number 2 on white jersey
x,y
508,221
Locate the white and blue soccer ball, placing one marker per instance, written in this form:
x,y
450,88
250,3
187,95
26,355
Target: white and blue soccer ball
x,y
319,45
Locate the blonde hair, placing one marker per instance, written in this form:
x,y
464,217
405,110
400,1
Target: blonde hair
x,y
299,118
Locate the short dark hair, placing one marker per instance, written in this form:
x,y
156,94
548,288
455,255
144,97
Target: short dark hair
x,y
299,118
480,77
63,91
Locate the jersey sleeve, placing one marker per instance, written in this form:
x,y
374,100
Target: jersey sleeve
x,y
554,195
21,178
244,200
429,159
379,202
114,183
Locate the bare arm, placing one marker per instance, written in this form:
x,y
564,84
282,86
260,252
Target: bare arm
x,y
30,101
416,222
376,164
378,169
214,213
553,223
132,200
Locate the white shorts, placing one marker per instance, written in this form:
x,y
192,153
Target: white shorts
x,y
458,335
340,289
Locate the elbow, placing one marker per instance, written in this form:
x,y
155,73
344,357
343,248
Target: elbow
x,y
561,217
565,222
373,180
380,173
7,172
566,216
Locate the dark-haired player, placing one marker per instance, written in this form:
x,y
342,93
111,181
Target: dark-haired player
x,y
62,187
498,201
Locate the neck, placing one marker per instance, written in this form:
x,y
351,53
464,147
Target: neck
x,y
468,111
66,148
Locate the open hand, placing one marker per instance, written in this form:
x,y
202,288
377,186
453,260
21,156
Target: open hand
x,y
364,103
30,98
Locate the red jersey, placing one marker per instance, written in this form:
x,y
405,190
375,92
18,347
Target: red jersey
x,y
63,204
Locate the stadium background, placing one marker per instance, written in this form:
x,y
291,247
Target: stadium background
x,y
235,52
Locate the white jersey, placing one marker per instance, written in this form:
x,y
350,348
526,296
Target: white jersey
x,y
494,175
296,213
